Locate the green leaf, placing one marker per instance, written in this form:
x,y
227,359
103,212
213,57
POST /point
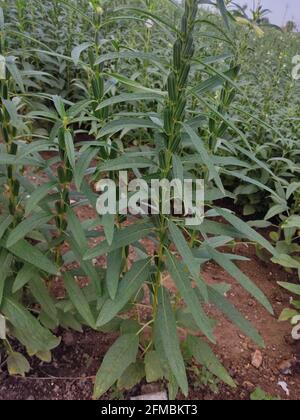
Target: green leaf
x,y
78,50
5,222
129,286
23,277
166,325
17,364
70,148
275,210
292,222
82,165
78,299
27,328
119,357
183,283
122,238
223,261
260,395
222,7
153,367
33,256
26,227
288,314
42,296
188,258
129,97
44,356
74,224
15,73
246,230
217,299
205,157
108,223
59,106
130,55
132,376
15,118
37,196
206,357
114,127
286,261
125,162
5,264
87,267
114,266
293,288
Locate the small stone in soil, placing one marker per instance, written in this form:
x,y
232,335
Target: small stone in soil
x,y
257,359
68,339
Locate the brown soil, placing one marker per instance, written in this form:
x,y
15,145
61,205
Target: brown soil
x,y
76,361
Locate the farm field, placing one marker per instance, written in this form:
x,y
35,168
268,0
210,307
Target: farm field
x,y
113,286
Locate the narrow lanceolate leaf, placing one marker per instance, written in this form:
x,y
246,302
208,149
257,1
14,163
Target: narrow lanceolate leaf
x,y
293,288
82,165
70,148
188,258
33,256
166,325
246,230
135,85
74,224
27,328
86,266
5,264
37,196
113,272
27,226
5,222
182,281
78,50
42,296
129,97
129,286
126,123
108,222
240,277
130,55
206,357
78,299
24,275
205,157
286,261
217,299
125,162
15,118
122,238
119,357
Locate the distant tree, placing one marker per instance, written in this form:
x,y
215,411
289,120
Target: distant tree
x,y
290,26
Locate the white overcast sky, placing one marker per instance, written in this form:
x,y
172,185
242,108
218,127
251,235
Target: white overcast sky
x,y
282,10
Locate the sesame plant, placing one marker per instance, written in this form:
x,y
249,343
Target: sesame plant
x,y
123,86
152,348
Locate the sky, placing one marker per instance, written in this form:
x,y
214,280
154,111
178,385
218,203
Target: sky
x,y
282,10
